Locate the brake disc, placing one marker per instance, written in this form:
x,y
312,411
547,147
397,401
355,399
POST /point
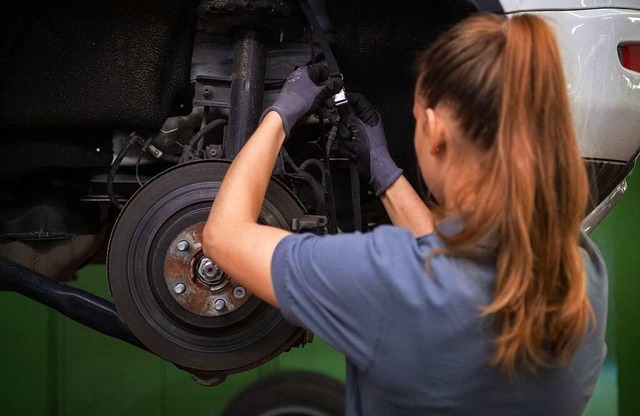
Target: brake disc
x,y
176,301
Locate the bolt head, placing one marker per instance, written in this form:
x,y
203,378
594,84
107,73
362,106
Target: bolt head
x,y
219,305
239,292
207,268
209,272
180,288
183,245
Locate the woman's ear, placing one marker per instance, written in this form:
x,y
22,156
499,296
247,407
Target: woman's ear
x,y
435,132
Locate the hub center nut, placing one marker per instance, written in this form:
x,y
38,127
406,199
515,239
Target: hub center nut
x,y
209,272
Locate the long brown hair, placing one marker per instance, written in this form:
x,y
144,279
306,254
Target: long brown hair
x,y
503,80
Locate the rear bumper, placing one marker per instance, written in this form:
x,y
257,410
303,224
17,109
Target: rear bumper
x,y
596,216
605,97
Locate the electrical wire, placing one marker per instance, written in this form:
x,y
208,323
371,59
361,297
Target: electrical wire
x,y
114,169
142,152
316,189
137,164
329,183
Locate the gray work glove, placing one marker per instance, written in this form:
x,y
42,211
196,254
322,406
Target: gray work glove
x,y
306,89
363,123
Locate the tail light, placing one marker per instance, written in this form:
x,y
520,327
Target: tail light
x,y
630,56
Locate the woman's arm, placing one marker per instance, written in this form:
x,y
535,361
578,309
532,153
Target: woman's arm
x,y
402,203
232,238
406,209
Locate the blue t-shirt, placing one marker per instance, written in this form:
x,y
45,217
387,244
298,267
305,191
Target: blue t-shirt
x,y
413,334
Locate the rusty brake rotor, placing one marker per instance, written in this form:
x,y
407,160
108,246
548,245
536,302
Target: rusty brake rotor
x,y
178,302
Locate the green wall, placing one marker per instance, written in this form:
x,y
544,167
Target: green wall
x,y
618,238
53,366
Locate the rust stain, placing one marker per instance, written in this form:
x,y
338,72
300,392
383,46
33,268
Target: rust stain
x,y
198,297
173,266
198,231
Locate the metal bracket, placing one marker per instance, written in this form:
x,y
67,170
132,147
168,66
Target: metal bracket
x,y
212,93
308,222
213,151
189,155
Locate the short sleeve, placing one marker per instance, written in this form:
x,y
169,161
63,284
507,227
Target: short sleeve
x,y
336,285
597,286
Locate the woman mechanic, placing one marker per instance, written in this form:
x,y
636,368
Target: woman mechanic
x,y
494,302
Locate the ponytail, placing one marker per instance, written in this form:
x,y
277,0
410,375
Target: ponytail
x,y
509,93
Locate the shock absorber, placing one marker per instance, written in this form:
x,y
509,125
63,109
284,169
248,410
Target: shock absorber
x,y
247,87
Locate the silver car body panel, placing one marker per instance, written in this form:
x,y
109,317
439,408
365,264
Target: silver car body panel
x,y
605,96
598,214
522,5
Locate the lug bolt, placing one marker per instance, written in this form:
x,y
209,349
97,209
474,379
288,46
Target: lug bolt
x,y
239,292
183,245
180,288
219,305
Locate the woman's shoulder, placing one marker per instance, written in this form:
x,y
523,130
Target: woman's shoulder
x,y
424,271
592,256
402,241
595,268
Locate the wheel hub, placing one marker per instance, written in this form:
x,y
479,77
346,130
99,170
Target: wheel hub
x,y
175,300
196,282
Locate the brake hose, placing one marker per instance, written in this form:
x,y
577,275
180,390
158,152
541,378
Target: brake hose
x,y
206,129
334,71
